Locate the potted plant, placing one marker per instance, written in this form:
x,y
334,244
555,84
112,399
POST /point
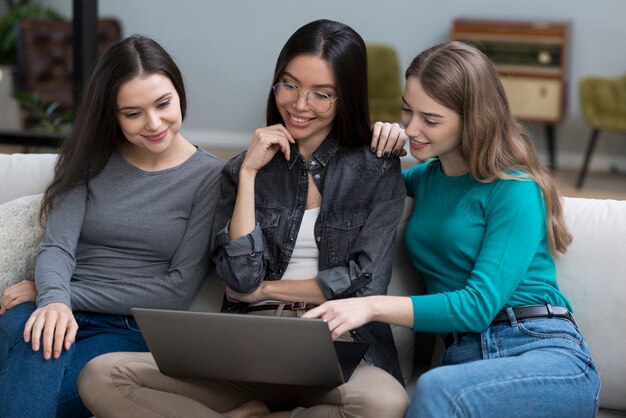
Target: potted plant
x,y
19,10
16,10
43,116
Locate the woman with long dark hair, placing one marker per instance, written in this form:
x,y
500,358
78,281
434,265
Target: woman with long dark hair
x,y
128,219
308,213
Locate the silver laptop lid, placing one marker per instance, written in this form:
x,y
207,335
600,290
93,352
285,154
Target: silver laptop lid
x,y
248,348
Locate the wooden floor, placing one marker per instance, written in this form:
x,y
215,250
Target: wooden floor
x,y
596,185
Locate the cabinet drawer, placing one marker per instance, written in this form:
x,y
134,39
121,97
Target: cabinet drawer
x,y
534,99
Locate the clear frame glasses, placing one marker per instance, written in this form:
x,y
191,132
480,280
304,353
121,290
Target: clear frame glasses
x,y
287,93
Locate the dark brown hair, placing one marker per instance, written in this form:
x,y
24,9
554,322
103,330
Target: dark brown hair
x,y
95,132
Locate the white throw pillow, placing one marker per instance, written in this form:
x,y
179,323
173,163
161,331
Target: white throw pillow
x,y
20,233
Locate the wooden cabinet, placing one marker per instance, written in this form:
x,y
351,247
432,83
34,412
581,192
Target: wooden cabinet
x,y
535,99
531,59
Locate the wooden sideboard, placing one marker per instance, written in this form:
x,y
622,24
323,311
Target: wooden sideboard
x,y
532,61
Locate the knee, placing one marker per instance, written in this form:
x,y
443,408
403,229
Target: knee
x,y
430,385
12,330
94,380
106,377
390,403
388,400
12,321
431,397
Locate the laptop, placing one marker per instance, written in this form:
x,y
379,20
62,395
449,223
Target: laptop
x,y
247,348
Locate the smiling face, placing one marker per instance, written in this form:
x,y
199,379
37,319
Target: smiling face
x,y
310,74
433,129
148,112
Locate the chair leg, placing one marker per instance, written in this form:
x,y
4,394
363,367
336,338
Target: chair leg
x,y
551,140
590,147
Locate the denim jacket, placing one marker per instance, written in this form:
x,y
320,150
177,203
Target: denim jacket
x,y
362,203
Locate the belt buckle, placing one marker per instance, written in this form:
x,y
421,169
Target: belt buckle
x,y
295,306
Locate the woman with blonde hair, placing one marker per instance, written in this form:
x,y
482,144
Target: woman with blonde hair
x,y
485,228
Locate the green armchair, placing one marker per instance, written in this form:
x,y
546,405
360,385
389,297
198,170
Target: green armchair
x,y
603,104
384,87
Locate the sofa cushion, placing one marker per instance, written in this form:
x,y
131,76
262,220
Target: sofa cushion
x,y
20,233
405,280
24,174
592,275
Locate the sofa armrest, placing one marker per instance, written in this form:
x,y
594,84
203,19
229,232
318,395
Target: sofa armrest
x,y
592,276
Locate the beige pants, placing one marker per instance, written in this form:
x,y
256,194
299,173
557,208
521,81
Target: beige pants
x,y
119,385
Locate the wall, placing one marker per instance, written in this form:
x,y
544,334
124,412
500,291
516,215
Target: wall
x,y
227,50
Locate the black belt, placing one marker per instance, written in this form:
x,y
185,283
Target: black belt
x,y
290,306
520,313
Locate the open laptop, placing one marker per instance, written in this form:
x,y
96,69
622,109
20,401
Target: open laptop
x,y
247,348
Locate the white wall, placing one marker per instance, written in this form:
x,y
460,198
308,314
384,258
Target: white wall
x,y
227,50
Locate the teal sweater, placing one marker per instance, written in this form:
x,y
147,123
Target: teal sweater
x,y
479,246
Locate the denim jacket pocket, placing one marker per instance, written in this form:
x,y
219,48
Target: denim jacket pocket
x,y
342,229
268,219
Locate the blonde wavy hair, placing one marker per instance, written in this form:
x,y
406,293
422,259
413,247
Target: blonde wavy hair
x,y
493,144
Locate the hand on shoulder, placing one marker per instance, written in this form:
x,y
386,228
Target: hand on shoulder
x,y
388,139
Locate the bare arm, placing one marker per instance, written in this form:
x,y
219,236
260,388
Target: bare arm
x,y
286,290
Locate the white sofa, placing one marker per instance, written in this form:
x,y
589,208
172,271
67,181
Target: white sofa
x,y
592,275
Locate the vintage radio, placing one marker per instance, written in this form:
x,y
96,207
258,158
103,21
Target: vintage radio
x,y
531,59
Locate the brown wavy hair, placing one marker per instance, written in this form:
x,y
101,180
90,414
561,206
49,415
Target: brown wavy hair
x,y
493,144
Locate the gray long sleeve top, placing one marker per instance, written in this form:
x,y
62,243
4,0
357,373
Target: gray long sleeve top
x,y
131,238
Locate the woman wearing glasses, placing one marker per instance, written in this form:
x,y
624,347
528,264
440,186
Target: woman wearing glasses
x,y
308,214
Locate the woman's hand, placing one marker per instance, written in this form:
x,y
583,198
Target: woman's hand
x,y
56,324
343,315
253,297
24,291
388,139
265,144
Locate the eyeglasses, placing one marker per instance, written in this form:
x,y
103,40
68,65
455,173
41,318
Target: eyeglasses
x,y
287,93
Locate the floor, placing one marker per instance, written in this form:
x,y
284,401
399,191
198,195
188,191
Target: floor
x,y
597,185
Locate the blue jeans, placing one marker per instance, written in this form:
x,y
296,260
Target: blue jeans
x,y
532,368
33,387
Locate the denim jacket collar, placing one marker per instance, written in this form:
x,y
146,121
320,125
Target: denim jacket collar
x,y
322,154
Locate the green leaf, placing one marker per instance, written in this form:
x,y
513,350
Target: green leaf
x,y
16,11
